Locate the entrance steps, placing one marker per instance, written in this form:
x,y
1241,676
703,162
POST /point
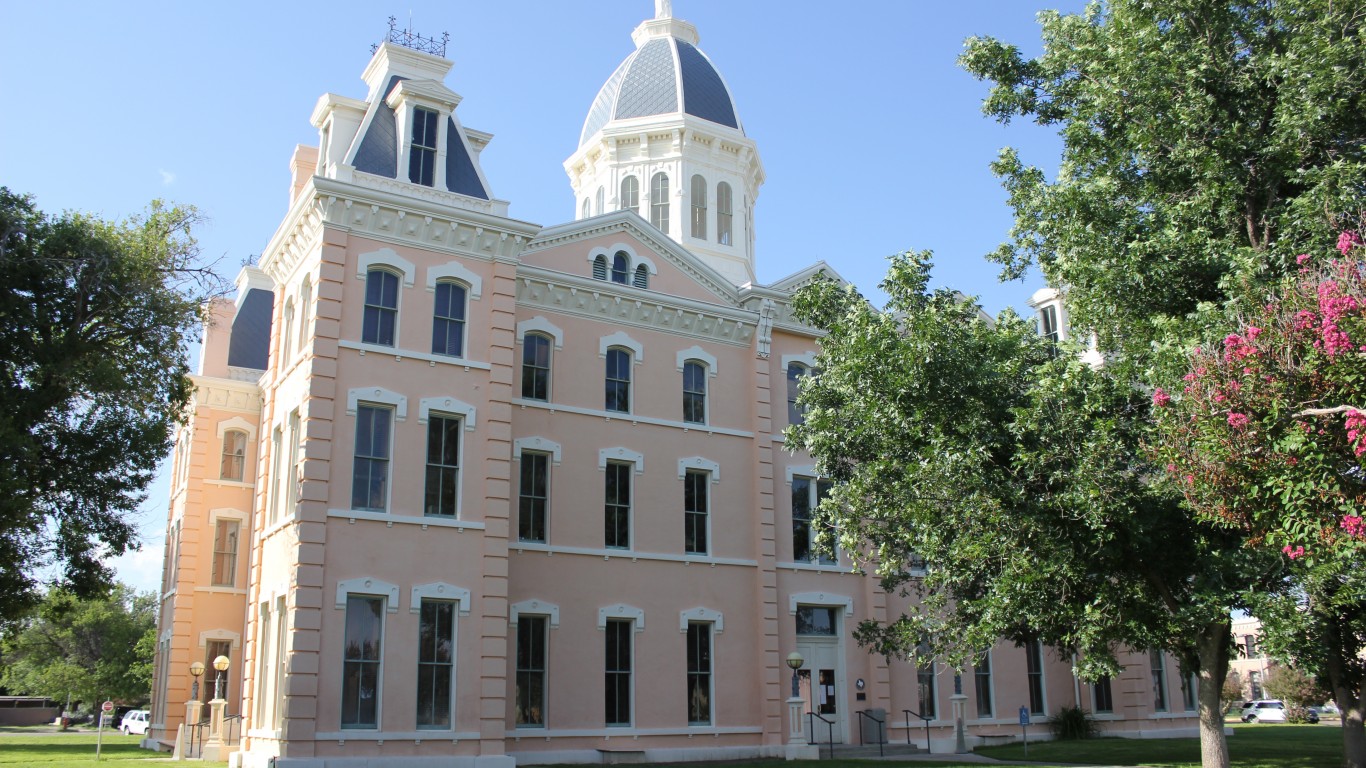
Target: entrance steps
x,y
867,751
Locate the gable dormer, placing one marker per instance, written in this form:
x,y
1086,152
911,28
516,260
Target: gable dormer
x,y
405,136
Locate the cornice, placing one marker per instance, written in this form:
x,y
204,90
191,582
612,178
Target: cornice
x,y
624,306
226,394
630,223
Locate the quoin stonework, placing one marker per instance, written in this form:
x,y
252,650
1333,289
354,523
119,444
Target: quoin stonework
x,y
458,489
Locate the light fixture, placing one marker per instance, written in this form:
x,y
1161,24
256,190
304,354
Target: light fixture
x,y
197,670
221,664
795,661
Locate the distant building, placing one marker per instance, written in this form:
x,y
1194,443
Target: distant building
x,y
1249,661
459,489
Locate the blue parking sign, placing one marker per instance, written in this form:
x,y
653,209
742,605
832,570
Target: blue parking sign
x,y
1024,715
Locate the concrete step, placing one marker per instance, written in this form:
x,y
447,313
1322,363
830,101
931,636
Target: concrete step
x,y
855,751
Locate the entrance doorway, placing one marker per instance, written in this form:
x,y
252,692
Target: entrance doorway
x,y
822,672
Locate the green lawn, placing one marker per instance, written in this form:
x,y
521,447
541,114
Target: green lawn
x,y
75,750
1259,745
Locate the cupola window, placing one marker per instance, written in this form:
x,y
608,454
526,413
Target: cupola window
x,y
600,201
723,213
600,268
642,278
619,268
659,201
699,207
630,194
422,153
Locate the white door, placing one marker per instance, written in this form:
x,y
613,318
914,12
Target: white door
x,y
822,688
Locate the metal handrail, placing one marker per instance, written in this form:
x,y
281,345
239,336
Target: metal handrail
x,y
195,733
232,729
865,713
924,719
829,731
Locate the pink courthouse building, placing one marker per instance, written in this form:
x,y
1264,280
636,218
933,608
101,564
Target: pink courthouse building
x,y
463,490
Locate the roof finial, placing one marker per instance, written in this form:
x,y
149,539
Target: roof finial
x,y
664,9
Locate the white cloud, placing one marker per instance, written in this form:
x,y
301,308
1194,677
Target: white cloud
x,y
167,177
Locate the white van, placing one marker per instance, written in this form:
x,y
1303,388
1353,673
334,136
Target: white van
x,y
135,722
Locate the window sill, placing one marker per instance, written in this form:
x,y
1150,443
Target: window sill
x,y
399,354
633,418
222,590
616,731
230,484
374,734
820,568
633,556
390,520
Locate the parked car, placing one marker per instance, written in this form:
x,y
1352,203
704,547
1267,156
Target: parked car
x,y
135,722
1264,711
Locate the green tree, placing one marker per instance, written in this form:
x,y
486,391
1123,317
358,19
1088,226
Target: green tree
x,y
1017,474
1204,143
1233,688
83,650
1294,687
94,321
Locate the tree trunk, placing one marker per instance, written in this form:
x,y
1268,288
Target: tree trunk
x,y
1352,707
1213,654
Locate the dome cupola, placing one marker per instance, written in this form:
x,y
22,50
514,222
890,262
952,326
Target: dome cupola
x,y
663,138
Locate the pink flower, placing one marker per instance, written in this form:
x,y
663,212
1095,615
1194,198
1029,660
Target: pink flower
x,y
1293,554
1253,332
1304,320
1171,468
1354,526
1237,420
1219,397
1347,240
1302,258
1160,398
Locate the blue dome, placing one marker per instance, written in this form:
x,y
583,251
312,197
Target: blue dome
x,y
663,76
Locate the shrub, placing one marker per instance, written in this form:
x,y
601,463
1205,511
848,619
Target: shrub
x,y
1296,714
1072,723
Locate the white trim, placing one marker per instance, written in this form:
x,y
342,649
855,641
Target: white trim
x,y
620,339
238,423
539,324
398,353
534,608
826,599
537,445
439,590
621,454
622,611
631,417
378,395
716,618
390,520
697,462
372,734
449,405
808,360
234,638
229,512
697,353
368,585
800,471
632,555
622,732
458,272
385,257
633,259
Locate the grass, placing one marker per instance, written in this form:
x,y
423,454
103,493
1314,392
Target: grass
x,y
76,750
1260,745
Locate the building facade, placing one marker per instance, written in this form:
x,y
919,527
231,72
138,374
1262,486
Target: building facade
x,y
461,489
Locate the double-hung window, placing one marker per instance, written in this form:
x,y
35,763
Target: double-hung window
x,y
618,381
535,367
370,467
806,496
620,268
618,672
1034,671
699,673
694,392
659,201
796,414
617,505
924,678
724,208
981,675
234,455
442,498
699,207
361,662
225,540
435,664
1102,698
422,151
1158,661
630,194
695,505
533,498
530,682
381,308
448,320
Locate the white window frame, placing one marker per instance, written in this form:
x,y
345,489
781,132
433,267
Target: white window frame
x,y
243,536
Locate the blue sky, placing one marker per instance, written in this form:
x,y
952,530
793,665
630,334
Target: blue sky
x,y
872,138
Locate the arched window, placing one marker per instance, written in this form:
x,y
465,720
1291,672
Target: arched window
x,y
448,320
723,213
694,392
287,334
659,201
600,268
619,268
601,201
642,278
699,207
630,194
535,367
381,308
618,380
585,210
234,455
795,413
305,312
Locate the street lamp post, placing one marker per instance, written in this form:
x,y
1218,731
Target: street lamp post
x,y
796,734
213,747
221,664
194,709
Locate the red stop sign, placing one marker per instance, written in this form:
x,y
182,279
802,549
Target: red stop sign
x,y
108,706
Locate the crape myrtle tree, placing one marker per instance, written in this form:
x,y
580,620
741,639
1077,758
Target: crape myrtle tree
x,y
1016,472
94,320
1265,433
